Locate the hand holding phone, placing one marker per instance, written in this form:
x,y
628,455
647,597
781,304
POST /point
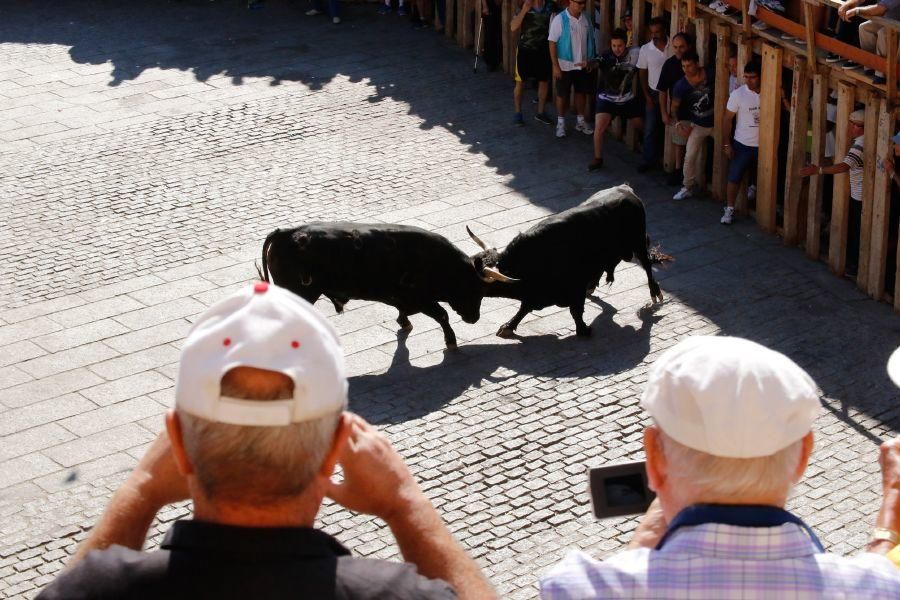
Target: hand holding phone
x,y
621,489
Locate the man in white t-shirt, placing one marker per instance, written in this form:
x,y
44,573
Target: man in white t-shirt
x,y
651,58
572,47
743,150
852,164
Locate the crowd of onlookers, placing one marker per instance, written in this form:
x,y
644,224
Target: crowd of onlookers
x,y
260,426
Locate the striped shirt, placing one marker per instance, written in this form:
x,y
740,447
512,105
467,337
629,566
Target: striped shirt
x,y
854,160
718,562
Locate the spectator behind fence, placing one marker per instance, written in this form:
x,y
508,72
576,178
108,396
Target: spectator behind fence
x,y
852,164
533,55
731,435
651,59
696,92
615,92
257,429
670,75
572,47
743,150
872,36
385,9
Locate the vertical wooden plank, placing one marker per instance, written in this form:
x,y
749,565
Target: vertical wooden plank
x,y
891,73
720,136
462,22
747,32
796,156
871,122
769,118
470,7
840,198
809,28
817,153
604,25
701,30
506,15
450,16
881,203
691,9
659,8
638,8
620,10
668,146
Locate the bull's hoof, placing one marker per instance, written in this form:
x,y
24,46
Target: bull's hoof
x,y
583,331
404,324
506,333
452,346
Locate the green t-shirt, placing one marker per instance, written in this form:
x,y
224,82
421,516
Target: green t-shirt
x,y
536,27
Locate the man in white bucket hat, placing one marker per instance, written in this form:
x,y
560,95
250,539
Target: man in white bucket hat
x,y
731,435
257,430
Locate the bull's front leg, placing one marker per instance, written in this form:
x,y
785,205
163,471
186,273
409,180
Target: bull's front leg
x,y
403,321
577,311
508,330
437,312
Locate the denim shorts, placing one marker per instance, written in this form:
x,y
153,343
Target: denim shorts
x,y
744,157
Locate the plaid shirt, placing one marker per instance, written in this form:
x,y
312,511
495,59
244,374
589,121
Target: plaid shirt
x,y
719,562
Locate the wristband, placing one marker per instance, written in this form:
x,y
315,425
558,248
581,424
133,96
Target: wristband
x,y
883,533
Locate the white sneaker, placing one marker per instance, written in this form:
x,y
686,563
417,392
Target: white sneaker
x,y
715,5
584,128
336,20
313,12
561,130
727,216
751,192
683,194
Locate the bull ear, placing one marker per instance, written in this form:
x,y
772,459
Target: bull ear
x,y
476,239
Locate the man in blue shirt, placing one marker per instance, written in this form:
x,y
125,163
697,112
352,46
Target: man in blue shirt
x,y
695,92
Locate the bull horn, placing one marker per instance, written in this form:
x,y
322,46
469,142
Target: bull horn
x,y
475,239
490,275
306,280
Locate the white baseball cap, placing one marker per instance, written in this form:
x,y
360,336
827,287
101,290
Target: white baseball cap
x,y
893,367
730,397
266,327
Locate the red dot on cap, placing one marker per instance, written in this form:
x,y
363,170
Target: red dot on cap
x,y
226,342
295,344
260,286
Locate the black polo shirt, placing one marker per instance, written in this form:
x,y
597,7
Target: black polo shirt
x,y
207,560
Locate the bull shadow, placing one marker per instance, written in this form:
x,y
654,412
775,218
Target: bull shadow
x,y
406,391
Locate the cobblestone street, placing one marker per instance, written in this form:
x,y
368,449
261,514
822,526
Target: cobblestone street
x,y
147,148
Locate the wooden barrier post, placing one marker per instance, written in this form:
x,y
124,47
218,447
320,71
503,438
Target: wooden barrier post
x,y
769,118
507,8
747,32
840,198
881,203
450,16
668,146
637,22
604,26
869,172
701,31
810,31
659,8
796,156
721,99
817,153
891,69
617,17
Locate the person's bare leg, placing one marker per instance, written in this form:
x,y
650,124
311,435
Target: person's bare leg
x,y
601,122
543,88
517,95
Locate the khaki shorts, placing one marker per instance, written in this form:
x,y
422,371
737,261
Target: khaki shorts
x,y
677,139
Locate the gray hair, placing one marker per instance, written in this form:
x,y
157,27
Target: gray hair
x,y
717,476
256,464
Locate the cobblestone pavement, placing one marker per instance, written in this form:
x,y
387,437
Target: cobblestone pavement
x,y
147,148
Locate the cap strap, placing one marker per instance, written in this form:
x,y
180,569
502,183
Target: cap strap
x,y
259,413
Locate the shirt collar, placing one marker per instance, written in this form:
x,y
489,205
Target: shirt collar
x,y
252,541
717,540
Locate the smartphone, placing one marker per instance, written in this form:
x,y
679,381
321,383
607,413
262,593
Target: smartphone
x,y
618,490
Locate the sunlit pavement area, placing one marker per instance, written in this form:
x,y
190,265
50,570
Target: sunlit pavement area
x,y
147,148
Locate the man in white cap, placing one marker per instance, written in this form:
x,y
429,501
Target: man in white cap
x,y
257,429
730,437
852,164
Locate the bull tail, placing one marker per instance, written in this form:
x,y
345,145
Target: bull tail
x,y
657,256
264,273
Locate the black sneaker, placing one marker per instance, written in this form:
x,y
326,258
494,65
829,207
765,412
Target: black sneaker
x,y
595,165
543,118
879,80
831,57
850,65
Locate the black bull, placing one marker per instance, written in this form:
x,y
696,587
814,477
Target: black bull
x,y
561,258
406,267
